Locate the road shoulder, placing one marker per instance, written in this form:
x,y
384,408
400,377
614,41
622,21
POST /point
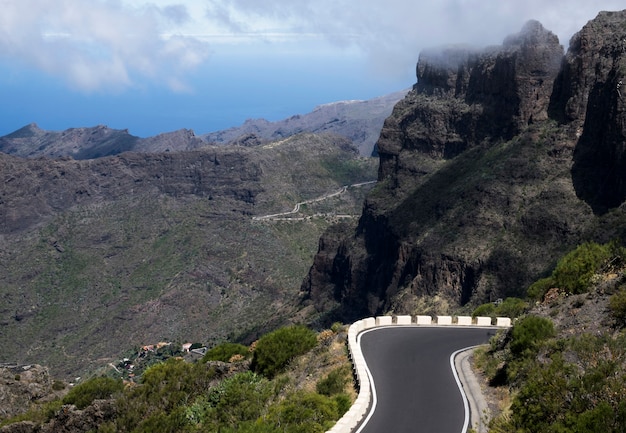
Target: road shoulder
x,y
479,408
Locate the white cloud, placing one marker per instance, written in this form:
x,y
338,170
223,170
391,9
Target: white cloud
x,y
392,32
98,44
114,44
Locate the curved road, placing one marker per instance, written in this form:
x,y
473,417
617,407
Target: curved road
x,y
413,380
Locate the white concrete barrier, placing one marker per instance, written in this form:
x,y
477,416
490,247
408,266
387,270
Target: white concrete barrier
x,y
504,322
444,320
368,323
384,320
464,320
403,320
424,320
483,321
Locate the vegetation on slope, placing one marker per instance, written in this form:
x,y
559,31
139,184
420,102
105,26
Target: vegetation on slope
x,y
278,392
139,263
564,363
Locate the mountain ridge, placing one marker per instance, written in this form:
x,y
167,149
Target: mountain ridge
x,y
478,188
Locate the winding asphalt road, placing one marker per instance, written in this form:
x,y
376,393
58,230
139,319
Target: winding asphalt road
x,y
413,380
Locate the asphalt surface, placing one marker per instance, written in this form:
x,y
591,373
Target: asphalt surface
x,y
413,380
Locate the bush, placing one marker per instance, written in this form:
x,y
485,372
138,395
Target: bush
x,y
485,310
82,395
539,288
529,333
574,271
617,306
511,307
274,350
305,412
335,382
225,351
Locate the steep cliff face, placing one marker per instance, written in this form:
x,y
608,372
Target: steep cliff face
x,y
589,97
476,195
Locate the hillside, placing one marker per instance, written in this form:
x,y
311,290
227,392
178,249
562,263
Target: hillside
x,y
496,163
359,121
100,256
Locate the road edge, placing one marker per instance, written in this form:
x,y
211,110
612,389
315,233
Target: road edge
x,y
478,407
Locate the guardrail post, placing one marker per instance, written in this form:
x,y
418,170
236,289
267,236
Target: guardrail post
x,y
384,320
483,321
464,320
504,322
403,320
424,320
444,320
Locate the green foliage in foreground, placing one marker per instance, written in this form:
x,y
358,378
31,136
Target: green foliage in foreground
x,y
225,351
274,350
83,394
562,385
617,306
573,273
192,397
510,307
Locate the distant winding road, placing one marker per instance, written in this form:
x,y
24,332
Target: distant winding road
x,y
414,386
296,208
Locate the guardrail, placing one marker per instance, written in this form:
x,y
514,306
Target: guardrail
x,y
358,410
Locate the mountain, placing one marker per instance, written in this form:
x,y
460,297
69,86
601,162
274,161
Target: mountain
x,y
496,163
360,121
104,255
89,143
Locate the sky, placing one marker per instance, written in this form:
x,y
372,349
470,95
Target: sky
x,y
153,66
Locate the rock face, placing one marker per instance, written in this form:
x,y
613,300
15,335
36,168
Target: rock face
x,y
22,385
590,98
490,169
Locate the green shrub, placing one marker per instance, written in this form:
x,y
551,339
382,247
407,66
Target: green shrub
x,y
511,307
225,351
274,350
335,382
574,271
82,395
485,310
617,306
304,412
539,288
529,333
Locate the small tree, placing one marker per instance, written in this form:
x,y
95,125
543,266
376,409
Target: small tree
x,y
529,332
274,350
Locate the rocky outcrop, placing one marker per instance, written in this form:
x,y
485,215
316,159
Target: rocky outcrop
x,y
21,386
477,197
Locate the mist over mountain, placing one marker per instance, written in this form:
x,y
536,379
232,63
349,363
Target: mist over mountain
x,y
496,163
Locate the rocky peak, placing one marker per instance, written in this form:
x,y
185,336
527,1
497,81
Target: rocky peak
x,y
477,194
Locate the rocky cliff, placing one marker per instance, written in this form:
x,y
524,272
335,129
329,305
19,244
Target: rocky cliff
x,y
497,162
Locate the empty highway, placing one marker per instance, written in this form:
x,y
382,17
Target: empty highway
x,y
414,385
